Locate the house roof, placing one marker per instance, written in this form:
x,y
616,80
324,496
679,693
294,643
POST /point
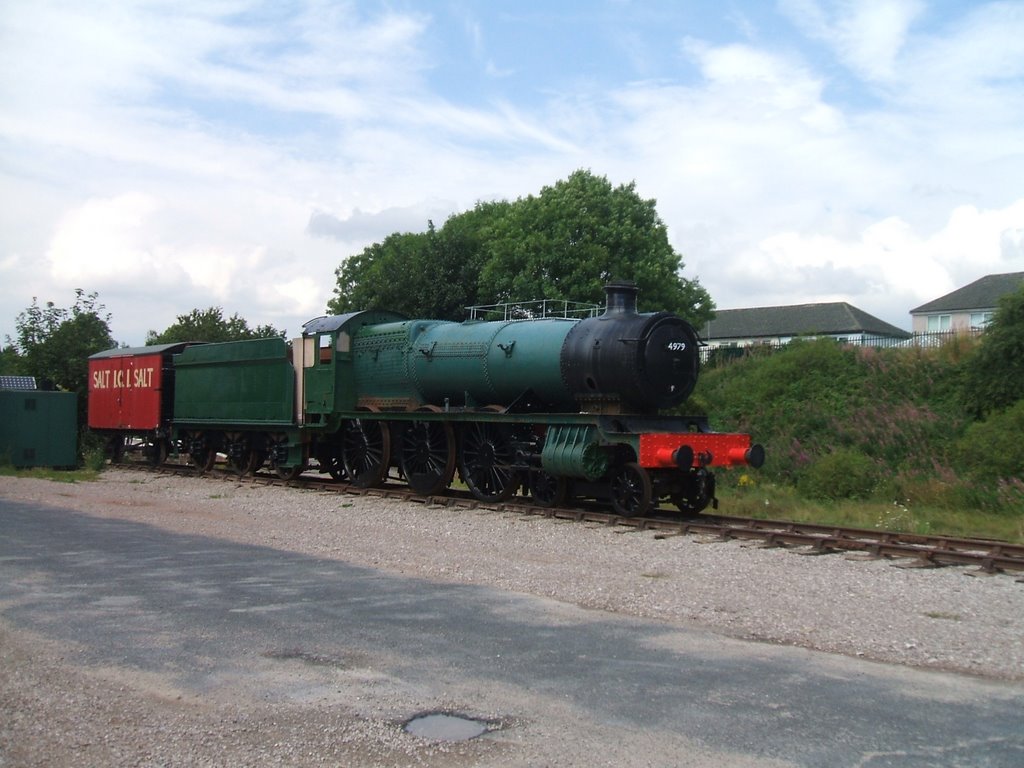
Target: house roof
x,y
983,293
798,320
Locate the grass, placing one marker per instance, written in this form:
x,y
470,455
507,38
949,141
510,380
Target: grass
x,y
781,503
57,475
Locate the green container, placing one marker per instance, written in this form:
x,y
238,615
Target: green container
x,y
38,428
235,383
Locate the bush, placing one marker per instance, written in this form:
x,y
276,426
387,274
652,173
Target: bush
x,y
993,450
95,460
995,374
845,473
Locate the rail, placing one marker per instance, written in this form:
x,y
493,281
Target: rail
x,y
534,310
917,550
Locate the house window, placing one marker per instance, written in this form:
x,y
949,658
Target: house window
x,y
939,323
980,319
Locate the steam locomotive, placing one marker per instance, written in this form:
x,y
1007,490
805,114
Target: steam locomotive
x,y
558,406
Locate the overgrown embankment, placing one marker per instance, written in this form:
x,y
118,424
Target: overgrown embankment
x,y
855,427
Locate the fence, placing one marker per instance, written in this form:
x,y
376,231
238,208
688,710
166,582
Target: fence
x,y
534,310
712,355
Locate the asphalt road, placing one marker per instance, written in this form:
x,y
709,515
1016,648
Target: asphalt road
x,y
216,618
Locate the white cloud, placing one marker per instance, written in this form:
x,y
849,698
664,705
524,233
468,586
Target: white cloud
x,y
867,35
103,239
887,268
186,155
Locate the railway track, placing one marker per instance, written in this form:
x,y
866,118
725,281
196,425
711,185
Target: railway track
x,y
912,550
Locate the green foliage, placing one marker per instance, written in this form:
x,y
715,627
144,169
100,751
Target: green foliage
x,y
210,325
564,243
952,519
841,422
791,401
581,233
54,343
431,274
993,450
10,361
844,473
892,429
86,474
995,378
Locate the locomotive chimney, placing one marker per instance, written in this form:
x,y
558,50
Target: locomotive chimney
x,y
621,299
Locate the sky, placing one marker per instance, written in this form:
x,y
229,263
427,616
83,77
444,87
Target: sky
x,y
196,153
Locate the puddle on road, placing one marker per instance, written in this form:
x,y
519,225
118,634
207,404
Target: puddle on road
x,y
442,727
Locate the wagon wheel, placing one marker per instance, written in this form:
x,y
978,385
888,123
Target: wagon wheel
x,y
486,461
277,444
548,490
205,457
335,467
289,473
259,459
631,490
243,459
115,449
365,451
245,464
698,492
427,456
156,451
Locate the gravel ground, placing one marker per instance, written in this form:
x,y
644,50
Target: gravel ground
x,y
932,618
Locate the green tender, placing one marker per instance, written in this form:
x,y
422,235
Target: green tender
x,y
241,383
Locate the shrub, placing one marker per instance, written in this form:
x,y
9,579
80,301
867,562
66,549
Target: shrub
x,y
995,375
845,473
993,449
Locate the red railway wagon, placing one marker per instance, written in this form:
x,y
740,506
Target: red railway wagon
x,y
131,397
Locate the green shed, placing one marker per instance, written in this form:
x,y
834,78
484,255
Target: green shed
x,y
38,428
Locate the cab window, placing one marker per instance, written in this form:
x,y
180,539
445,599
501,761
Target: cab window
x,y
324,343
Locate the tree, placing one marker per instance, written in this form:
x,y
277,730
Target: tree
x,y
581,233
210,325
54,344
995,373
565,243
433,274
10,361
386,275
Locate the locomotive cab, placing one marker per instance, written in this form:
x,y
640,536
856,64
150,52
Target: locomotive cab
x,y
324,357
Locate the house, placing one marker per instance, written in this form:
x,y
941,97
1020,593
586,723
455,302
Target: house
x,y
779,325
967,308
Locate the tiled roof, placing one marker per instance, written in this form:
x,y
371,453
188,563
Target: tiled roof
x,y
798,320
981,294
